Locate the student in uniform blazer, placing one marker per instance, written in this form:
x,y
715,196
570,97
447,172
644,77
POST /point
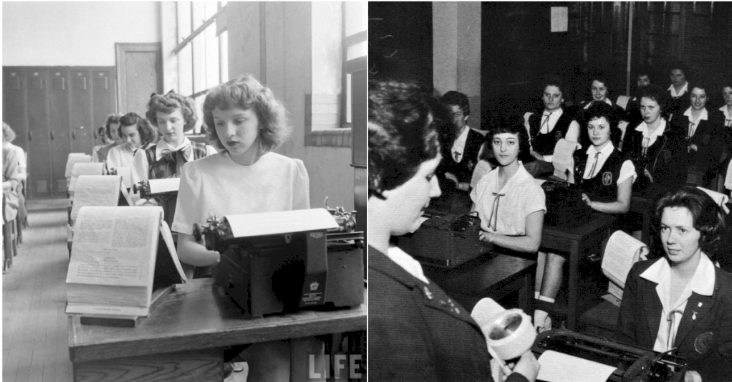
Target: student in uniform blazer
x,y
658,151
416,331
698,324
705,137
678,100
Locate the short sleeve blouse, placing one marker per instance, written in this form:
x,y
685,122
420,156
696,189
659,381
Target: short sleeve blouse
x,y
216,185
522,196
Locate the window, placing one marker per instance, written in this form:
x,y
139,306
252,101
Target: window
x,y
355,48
202,50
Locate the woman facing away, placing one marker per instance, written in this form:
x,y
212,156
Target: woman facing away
x,y
681,302
416,332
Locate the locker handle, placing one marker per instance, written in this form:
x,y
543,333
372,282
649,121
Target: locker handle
x,y
73,134
30,136
51,135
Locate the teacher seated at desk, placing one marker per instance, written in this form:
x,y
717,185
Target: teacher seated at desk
x,y
681,302
416,331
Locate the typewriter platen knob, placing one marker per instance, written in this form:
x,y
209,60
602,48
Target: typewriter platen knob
x,y
197,232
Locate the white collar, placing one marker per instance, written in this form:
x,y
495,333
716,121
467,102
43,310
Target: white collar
x,y
704,115
556,113
163,145
681,92
643,127
724,110
412,266
606,151
701,283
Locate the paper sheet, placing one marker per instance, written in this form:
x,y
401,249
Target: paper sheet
x,y
621,252
728,178
76,158
272,223
159,186
126,174
84,169
559,19
563,159
95,190
559,367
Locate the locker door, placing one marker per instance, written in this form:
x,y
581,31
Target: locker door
x,y
103,96
82,124
14,107
58,116
39,139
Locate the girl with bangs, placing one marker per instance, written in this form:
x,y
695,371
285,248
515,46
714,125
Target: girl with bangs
x,y
246,122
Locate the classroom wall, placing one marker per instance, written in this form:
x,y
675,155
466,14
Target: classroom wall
x,y
277,48
74,33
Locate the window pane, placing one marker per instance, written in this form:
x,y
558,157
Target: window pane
x,y
349,97
358,50
224,56
212,57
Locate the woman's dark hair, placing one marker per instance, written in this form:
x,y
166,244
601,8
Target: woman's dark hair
x,y
404,131
596,111
112,118
657,94
554,81
456,98
706,214
245,93
512,126
102,134
147,134
701,86
680,65
168,103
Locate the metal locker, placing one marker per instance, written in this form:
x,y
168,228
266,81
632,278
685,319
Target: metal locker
x,y
82,123
39,133
58,117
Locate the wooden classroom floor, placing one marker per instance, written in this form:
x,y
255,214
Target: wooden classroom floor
x,y
34,328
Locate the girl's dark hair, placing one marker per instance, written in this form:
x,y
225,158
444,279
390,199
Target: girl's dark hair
x,y
404,127
596,111
657,94
168,103
246,93
706,214
554,81
112,118
512,126
147,134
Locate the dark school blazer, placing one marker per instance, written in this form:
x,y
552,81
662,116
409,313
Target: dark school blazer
x,y
708,137
704,337
417,333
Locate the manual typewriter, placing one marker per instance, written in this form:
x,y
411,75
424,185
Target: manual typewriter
x,y
166,196
310,259
634,364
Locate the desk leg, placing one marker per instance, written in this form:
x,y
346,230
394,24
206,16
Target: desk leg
x,y
574,255
526,293
202,365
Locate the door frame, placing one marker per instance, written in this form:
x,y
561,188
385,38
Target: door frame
x,y
121,51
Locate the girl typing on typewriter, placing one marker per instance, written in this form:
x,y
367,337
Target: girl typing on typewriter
x,y
416,332
172,114
246,123
681,302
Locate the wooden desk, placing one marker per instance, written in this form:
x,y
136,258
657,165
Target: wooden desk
x,y
577,242
494,276
182,340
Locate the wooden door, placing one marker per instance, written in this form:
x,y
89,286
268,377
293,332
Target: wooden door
x,y
39,133
103,99
82,123
139,69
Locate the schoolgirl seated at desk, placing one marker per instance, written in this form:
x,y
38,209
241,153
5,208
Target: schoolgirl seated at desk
x,y
657,150
547,126
246,122
136,133
111,127
173,115
704,136
600,93
681,302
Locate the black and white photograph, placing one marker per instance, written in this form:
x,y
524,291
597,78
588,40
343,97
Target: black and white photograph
x,y
549,191
184,191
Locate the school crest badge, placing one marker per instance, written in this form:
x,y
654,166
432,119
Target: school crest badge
x,y
707,139
667,156
607,178
703,342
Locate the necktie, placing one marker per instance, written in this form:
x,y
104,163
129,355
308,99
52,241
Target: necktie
x,y
645,144
173,161
546,122
456,155
671,338
691,129
728,122
592,170
493,219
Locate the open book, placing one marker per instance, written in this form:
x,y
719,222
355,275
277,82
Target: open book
x,y
621,252
563,159
99,190
84,169
114,262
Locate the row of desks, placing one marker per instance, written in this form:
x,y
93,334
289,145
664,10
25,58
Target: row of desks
x,y
183,338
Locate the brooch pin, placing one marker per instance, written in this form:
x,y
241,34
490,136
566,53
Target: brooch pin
x,y
693,316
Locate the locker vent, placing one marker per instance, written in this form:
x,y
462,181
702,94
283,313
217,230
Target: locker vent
x,y
58,83
61,185
80,83
101,83
41,186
